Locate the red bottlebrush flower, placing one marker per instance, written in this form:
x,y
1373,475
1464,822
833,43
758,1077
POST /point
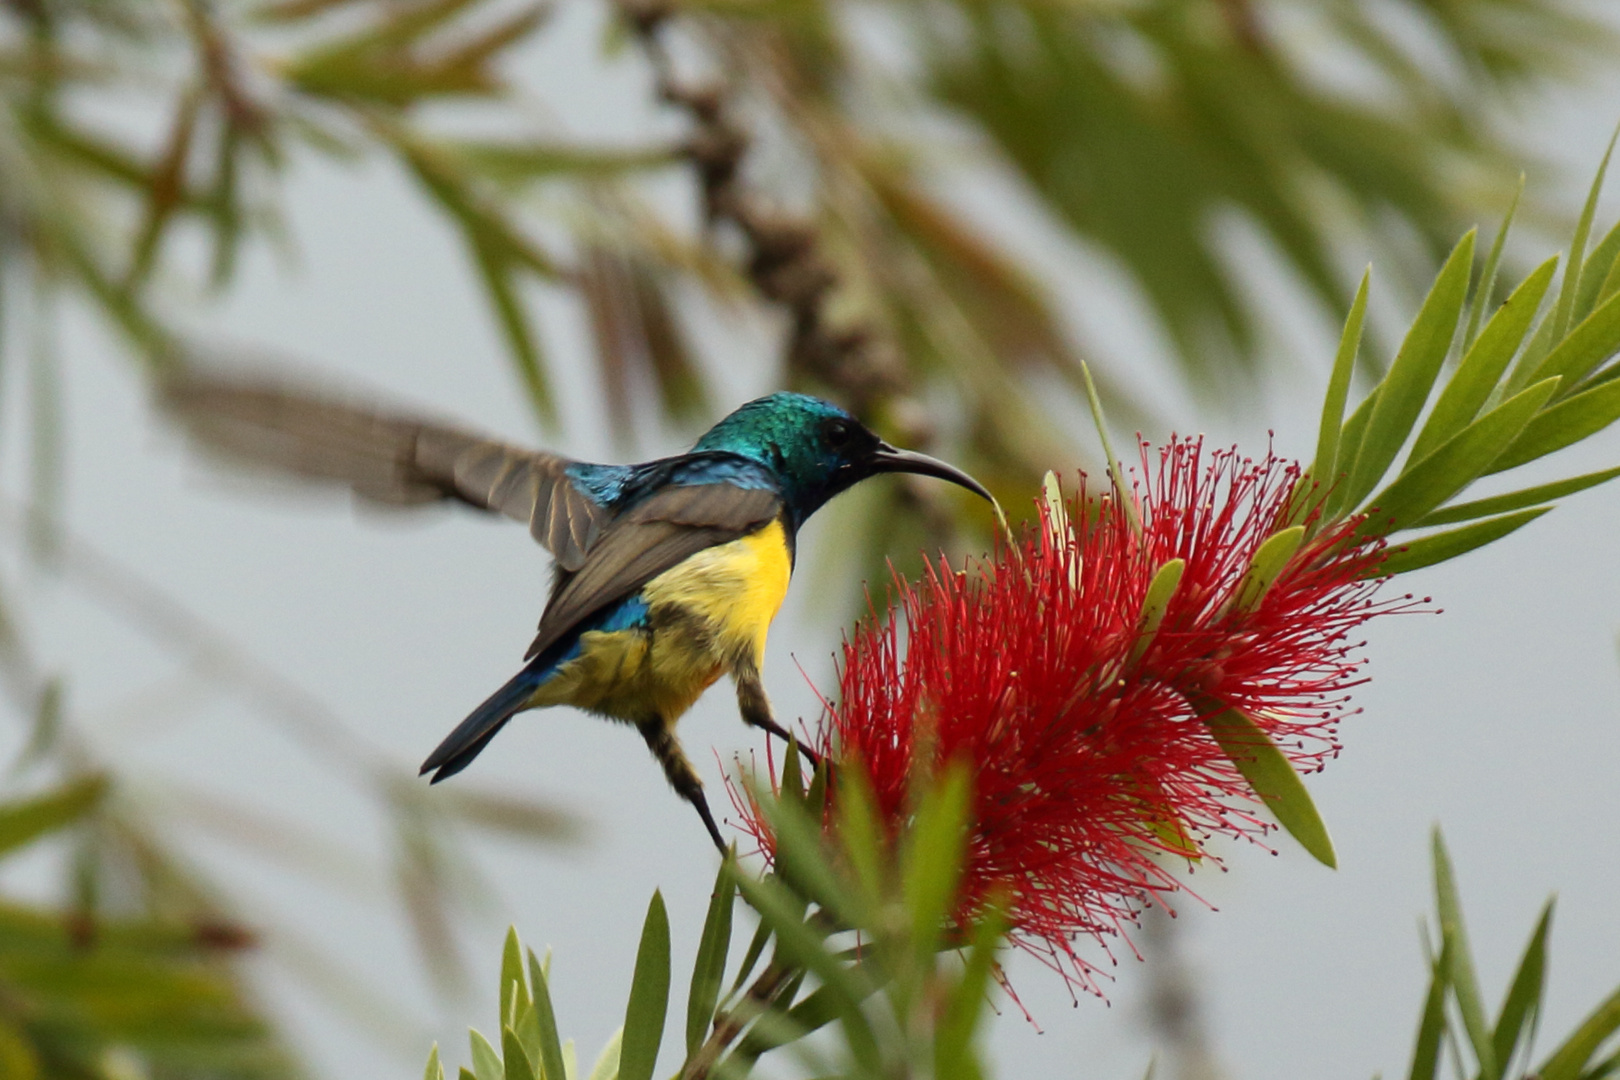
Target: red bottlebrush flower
x,y
1083,733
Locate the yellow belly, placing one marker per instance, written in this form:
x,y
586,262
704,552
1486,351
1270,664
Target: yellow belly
x,y
708,615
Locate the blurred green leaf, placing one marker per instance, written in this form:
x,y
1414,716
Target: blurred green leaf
x,y
486,1062
551,1051
25,820
515,1062
1568,1061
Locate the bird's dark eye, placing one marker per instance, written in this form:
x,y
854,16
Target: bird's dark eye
x,y
839,434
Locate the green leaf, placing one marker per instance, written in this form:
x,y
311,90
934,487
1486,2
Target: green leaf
x,y
1513,500
25,820
1455,464
1481,369
1270,774
1595,274
1464,982
756,949
1338,392
1406,388
1121,492
848,986
607,1062
1487,277
1569,421
1577,245
1516,1021
551,1053
1568,1060
513,988
802,864
1429,550
649,997
1166,580
1350,438
709,969
954,1058
1432,1027
1591,343
518,1065
486,1062
434,1070
1269,561
931,858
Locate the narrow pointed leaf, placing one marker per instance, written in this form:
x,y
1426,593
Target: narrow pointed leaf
x,y
1432,1027
1513,500
518,1066
551,1054
1577,245
26,820
1595,274
486,1062
1567,1062
1594,341
1516,1021
931,862
1166,580
1464,982
1338,391
1406,388
1487,277
649,997
847,986
1569,421
1455,464
709,969
1271,776
512,986
434,1070
1338,501
1429,550
1481,369
1269,560
607,1062
953,1039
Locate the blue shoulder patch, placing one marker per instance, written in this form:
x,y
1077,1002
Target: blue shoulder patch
x,y
602,483
723,468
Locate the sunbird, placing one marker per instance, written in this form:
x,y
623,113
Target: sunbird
x,y
667,574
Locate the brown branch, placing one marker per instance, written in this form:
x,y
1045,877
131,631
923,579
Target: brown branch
x,y
784,260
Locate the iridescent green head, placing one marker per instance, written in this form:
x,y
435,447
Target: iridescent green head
x,y
817,449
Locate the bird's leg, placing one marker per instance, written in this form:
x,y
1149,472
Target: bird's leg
x,y
682,777
756,711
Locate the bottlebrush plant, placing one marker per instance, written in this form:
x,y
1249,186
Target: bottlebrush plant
x,y
1025,747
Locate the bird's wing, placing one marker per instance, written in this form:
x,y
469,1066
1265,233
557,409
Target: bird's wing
x,y
391,459
670,526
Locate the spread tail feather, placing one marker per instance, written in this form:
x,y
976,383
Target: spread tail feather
x,y
470,737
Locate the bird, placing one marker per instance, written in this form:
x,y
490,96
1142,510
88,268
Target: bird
x,y
667,574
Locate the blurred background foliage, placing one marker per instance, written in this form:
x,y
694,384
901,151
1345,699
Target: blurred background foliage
x,y
831,163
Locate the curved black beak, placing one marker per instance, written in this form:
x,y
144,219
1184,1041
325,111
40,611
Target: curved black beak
x,y
889,459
